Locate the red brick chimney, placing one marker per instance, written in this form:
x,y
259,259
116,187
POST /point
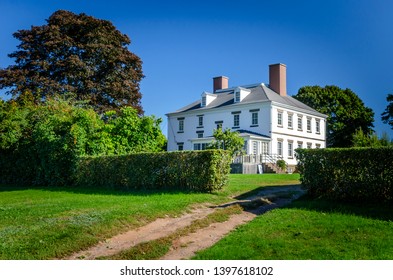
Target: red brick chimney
x,y
220,82
278,78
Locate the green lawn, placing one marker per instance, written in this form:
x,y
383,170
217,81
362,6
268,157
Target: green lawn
x,y
310,229
46,223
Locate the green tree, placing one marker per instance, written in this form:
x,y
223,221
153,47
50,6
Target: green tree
x,y
131,133
362,140
227,140
79,54
387,115
345,110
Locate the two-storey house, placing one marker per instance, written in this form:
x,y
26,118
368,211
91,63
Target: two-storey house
x,y
272,123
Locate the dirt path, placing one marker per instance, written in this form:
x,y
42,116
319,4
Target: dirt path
x,y
186,246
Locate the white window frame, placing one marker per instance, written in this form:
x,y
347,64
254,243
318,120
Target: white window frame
x,y
280,147
236,120
279,118
254,118
290,149
181,125
300,123
318,126
290,121
200,121
309,128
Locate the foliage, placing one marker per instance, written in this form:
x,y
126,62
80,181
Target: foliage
x,y
352,174
362,140
387,115
40,144
76,54
227,140
281,164
202,171
131,133
345,110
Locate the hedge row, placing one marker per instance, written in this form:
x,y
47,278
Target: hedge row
x,y
203,171
354,174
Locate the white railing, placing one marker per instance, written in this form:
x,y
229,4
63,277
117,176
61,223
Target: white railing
x,y
261,158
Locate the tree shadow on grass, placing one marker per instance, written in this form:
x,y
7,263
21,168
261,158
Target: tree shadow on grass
x,y
380,211
98,190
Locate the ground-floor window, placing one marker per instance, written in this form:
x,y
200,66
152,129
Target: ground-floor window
x,y
279,148
290,149
200,146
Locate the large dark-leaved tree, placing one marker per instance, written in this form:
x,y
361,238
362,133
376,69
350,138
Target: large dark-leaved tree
x,y
75,55
346,112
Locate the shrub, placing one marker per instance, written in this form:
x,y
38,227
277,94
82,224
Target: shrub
x,y
204,171
353,174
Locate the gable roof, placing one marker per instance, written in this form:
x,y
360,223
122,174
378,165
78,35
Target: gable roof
x,y
259,93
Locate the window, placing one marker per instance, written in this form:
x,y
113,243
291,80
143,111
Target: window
x,y
308,125
254,118
181,125
300,145
200,134
317,146
200,146
279,118
265,148
219,124
203,104
200,121
236,120
180,146
309,145
279,147
318,126
290,120
290,149
300,123
255,147
237,96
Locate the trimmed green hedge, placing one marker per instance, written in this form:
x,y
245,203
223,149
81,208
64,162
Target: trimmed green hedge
x,y
353,174
204,171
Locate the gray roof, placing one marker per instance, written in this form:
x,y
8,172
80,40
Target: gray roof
x,y
259,93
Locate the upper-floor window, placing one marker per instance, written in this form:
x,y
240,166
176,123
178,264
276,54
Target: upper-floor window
x,y
200,121
300,123
318,126
219,124
237,96
200,134
236,120
181,124
308,124
290,121
279,118
254,118
203,103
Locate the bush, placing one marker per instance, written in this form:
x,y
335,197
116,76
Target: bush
x,y
353,174
204,171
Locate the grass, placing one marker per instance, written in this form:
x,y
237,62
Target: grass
x,y
312,229
48,223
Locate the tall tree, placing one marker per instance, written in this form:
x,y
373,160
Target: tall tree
x,y
79,55
345,110
387,115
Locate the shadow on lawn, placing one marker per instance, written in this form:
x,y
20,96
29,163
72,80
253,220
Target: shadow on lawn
x,y
380,211
96,191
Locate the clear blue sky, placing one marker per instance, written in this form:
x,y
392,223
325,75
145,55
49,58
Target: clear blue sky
x,y
183,44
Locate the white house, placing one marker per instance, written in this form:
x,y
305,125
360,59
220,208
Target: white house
x,y
272,123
